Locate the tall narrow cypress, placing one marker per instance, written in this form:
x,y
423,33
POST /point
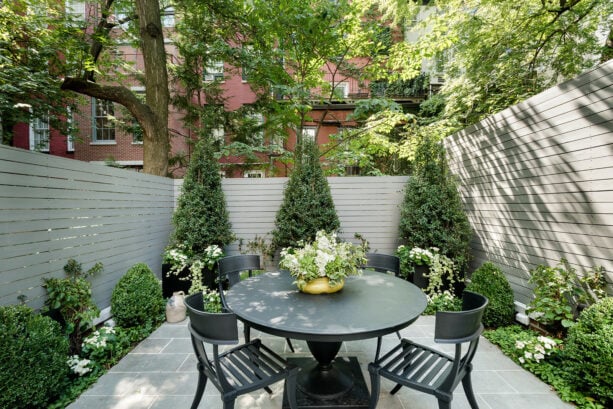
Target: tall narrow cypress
x,y
201,218
307,202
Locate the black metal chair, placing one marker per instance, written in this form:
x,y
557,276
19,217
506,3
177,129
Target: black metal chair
x,y
383,263
428,370
230,270
240,370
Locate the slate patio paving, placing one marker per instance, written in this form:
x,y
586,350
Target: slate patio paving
x,y
160,373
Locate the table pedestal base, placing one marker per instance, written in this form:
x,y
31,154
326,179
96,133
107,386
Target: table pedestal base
x,y
351,393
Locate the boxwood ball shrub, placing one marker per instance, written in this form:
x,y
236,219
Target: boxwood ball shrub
x,y
33,354
588,352
489,281
137,298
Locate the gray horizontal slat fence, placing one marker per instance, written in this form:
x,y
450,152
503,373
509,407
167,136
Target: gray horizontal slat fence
x,y
53,209
365,205
536,180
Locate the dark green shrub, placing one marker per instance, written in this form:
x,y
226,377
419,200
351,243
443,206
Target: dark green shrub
x,y
137,298
489,281
307,202
588,352
33,354
201,218
432,214
71,298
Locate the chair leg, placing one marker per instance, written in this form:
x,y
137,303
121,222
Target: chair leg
x,y
468,390
398,333
200,388
229,404
396,389
375,387
289,344
290,388
443,404
247,333
378,349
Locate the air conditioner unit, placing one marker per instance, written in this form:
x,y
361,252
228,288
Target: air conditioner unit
x,y
437,79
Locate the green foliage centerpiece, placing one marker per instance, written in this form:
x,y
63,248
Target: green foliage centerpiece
x,y
324,260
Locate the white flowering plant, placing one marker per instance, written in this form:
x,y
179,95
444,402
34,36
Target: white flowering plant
x,y
535,349
104,346
179,257
527,347
78,365
442,270
324,257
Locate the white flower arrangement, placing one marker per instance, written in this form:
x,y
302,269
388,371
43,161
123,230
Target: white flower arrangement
x,y
324,257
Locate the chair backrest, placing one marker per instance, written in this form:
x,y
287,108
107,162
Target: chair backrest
x,y
230,267
214,328
383,263
454,327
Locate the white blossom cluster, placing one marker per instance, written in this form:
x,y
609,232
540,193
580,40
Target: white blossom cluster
x,y
78,366
98,338
535,350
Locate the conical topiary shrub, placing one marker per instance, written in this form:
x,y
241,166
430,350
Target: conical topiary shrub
x,y
432,214
307,202
201,218
202,226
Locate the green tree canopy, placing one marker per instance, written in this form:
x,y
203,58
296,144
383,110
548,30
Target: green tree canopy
x,y
31,33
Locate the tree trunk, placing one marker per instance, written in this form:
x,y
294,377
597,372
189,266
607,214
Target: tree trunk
x,y
152,116
607,50
156,142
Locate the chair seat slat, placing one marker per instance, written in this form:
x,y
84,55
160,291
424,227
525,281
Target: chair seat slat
x,y
428,370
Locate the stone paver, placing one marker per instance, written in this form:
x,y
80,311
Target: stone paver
x,y
160,373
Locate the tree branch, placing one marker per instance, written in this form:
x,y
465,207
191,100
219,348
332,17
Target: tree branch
x,y
118,94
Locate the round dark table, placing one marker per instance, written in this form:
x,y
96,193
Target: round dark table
x,y
369,305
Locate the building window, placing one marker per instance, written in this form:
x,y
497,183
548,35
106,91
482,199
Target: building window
x,y
257,126
340,90
309,133
103,121
214,72
75,9
39,134
70,129
254,174
168,17
248,51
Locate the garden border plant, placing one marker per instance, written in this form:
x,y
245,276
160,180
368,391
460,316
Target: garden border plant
x,y
575,363
33,353
30,339
490,281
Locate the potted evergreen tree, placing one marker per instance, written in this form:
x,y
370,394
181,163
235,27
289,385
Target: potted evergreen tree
x,y
307,205
202,226
432,214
